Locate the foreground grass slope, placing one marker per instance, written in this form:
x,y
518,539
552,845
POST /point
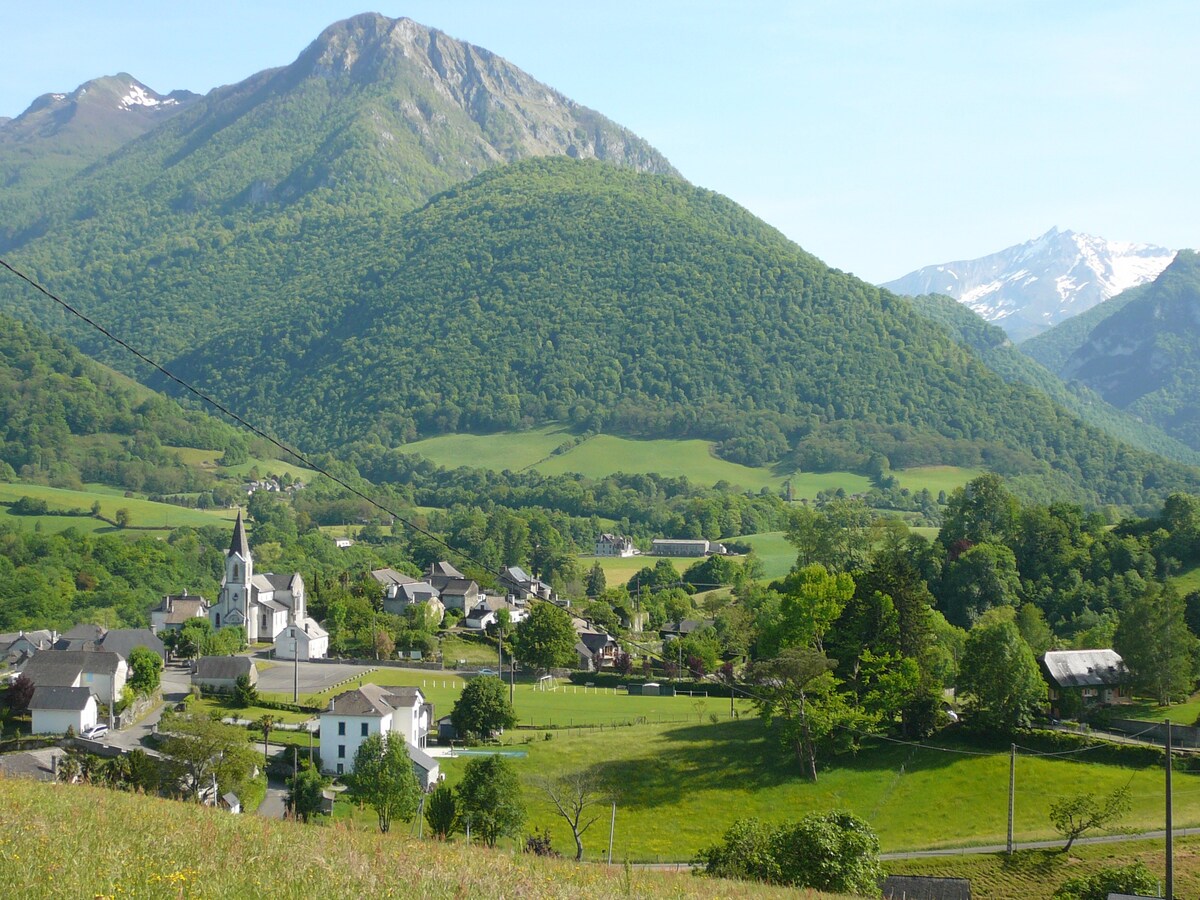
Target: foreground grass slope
x,y
1036,874
76,841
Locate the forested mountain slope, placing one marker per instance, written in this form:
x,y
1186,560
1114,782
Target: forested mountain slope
x,y
66,419
1054,347
570,291
1144,357
1003,358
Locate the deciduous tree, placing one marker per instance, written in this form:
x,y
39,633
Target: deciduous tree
x,y
489,799
384,780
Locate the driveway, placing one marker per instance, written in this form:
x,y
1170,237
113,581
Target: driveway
x,y
175,686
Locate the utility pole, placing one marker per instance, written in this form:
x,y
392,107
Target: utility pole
x,y
612,827
295,665
1170,843
1012,794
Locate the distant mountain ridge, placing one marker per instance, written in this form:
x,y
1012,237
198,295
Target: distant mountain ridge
x,y
1030,287
1142,354
60,134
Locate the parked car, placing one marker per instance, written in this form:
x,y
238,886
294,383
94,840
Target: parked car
x,y
488,672
94,733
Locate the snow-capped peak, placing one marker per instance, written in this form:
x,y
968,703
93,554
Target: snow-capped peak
x,y
1030,287
139,96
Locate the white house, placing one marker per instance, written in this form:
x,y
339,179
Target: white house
x,y
175,610
307,639
399,713
55,709
614,545
264,605
484,613
102,672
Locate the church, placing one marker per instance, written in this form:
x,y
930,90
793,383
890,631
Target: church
x,y
270,607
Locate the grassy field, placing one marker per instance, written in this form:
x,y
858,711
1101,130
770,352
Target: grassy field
x,y
1185,713
935,478
142,513
618,570
1188,581
1036,874
566,706
680,786
777,555
81,841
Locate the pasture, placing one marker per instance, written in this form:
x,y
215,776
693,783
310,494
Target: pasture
x,y
143,514
678,787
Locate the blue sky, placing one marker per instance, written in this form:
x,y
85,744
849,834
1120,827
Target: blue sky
x,y
880,136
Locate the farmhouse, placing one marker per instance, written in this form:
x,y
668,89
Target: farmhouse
x,y
1081,678
303,640
458,593
175,610
55,709
522,586
398,713
265,605
17,646
220,673
484,613
102,672
673,547
614,545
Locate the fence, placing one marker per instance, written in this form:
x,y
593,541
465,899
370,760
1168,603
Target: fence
x,y
1181,735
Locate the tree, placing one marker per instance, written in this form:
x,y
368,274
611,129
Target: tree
x,y
546,639
385,781
981,578
595,582
489,799
1134,880
982,510
146,670
832,851
1154,641
441,812
203,751
574,796
266,724
122,517
20,692
1079,813
812,601
482,708
244,693
799,700
305,793
999,675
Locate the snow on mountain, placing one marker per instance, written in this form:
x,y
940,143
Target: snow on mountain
x,y
1027,288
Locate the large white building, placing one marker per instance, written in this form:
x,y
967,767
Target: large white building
x,y
397,713
265,605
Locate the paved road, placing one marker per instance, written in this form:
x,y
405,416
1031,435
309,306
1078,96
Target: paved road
x,y
274,805
1040,845
175,686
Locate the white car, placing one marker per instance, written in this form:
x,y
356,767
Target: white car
x,y
488,672
95,732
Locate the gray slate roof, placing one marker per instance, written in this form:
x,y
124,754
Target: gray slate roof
x,y
181,607
391,576
373,700
1084,668
925,887
223,667
53,697
123,640
239,544
61,667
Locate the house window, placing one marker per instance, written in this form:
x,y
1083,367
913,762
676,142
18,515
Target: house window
x,y
341,751
264,624
341,728
218,620
364,729
341,769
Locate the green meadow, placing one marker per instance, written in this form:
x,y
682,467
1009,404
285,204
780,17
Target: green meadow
x,y
678,787
143,514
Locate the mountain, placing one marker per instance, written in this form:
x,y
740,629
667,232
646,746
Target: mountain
x,y
61,134
304,244
1004,358
1030,287
1142,356
555,290
370,121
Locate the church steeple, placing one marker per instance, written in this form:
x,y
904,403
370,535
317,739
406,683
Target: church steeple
x,y
239,544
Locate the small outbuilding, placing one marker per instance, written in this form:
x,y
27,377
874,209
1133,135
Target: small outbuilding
x,y
57,709
220,673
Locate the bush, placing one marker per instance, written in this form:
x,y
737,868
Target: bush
x,y
833,851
